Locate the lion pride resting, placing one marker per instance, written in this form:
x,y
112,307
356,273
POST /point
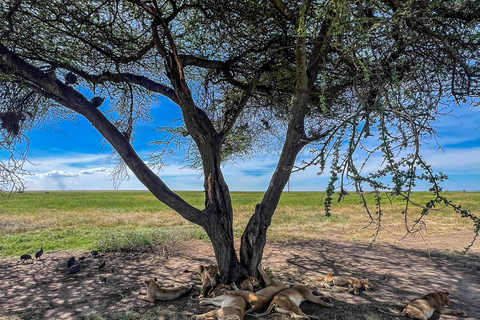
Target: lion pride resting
x,y
246,285
155,292
263,297
354,285
424,307
288,302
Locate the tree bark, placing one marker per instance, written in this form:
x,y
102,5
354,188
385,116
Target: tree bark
x,y
255,234
218,216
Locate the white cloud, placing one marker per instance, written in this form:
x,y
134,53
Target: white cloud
x,y
59,174
77,171
93,171
455,160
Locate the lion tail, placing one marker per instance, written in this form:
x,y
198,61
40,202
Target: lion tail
x,y
390,312
191,297
270,308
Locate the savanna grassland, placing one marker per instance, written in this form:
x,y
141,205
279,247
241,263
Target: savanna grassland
x,y
138,237
125,220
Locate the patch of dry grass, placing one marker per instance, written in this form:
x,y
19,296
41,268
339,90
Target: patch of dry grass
x,y
90,216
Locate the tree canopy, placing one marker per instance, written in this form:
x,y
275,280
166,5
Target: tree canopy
x,y
340,81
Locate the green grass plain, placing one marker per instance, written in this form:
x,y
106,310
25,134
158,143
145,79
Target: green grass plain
x,y
127,220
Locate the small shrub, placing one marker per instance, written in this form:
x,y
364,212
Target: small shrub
x,y
124,241
138,240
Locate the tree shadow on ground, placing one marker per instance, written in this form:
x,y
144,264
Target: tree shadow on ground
x,y
45,289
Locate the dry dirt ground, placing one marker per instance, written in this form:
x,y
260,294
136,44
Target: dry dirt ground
x,y
45,290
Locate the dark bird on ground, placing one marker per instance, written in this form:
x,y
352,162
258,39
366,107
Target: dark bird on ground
x,y
81,258
104,280
39,253
25,257
113,270
74,269
94,253
97,101
100,267
70,78
70,262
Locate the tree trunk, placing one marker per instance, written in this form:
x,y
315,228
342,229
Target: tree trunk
x,y
255,234
253,240
220,233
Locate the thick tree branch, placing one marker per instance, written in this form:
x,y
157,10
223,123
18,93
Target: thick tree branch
x,y
286,12
72,99
254,236
10,13
129,78
232,114
320,50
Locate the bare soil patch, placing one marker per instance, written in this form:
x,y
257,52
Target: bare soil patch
x,y
45,290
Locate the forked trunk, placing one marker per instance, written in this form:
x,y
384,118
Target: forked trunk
x,y
255,234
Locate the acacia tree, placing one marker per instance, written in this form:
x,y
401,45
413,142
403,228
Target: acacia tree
x,y
324,77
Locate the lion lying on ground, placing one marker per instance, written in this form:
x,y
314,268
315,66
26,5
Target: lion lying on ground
x,y
423,308
246,285
354,285
232,307
155,292
209,277
288,301
261,298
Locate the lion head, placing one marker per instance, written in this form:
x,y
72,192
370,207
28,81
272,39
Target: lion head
x,y
209,276
441,297
254,281
367,285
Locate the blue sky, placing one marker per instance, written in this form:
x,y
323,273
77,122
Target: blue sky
x,y
73,159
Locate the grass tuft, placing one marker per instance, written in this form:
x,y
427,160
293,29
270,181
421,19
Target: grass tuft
x,y
139,240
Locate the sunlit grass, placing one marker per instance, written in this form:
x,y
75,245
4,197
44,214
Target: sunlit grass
x,y
90,220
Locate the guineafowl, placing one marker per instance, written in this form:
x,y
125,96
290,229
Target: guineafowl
x,y
70,78
94,253
100,267
39,253
97,101
70,262
74,269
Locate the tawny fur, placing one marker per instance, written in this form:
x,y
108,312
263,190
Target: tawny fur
x,y
247,285
209,276
288,302
423,308
155,292
354,285
232,307
261,298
